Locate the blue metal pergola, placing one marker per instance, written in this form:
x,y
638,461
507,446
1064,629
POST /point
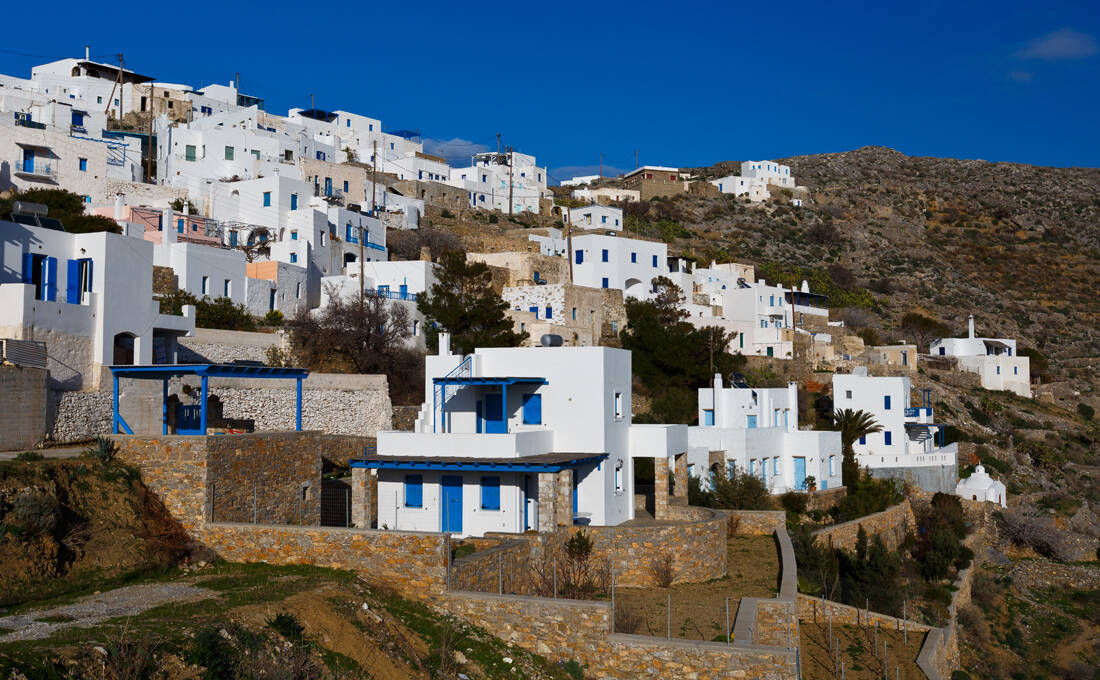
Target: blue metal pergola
x,y
439,408
164,372
546,462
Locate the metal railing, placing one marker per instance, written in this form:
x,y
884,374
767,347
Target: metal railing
x,y
36,168
917,411
391,295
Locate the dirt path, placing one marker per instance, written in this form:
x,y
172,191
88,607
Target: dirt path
x,y
89,611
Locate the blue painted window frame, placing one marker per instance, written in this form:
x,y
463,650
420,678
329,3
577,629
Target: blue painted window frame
x,y
490,493
414,491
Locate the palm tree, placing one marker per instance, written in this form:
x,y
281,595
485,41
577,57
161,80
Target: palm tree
x,y
852,426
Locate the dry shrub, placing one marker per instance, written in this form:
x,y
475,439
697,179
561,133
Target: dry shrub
x,y
663,569
628,620
733,524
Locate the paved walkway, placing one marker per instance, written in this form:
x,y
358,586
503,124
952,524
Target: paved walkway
x,y
58,452
89,611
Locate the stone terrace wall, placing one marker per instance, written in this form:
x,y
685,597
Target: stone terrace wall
x,y
697,545
820,611
266,477
563,630
759,522
333,403
214,346
79,416
892,524
823,500
773,622
173,468
413,563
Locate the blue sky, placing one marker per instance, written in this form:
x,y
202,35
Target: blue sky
x,y
682,83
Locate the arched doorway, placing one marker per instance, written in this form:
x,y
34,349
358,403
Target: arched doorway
x,y
124,344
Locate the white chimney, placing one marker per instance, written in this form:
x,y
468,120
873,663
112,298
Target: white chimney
x,y
120,201
168,227
87,53
444,344
971,326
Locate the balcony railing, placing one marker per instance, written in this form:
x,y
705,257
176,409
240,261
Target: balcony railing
x,y
392,295
918,411
36,168
27,122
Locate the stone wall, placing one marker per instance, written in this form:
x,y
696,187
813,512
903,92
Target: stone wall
x,y
23,391
892,524
565,630
758,522
819,610
164,280
404,418
213,346
412,563
336,403
697,545
173,468
139,193
823,500
269,478
78,416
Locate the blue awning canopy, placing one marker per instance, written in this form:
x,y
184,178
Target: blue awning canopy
x,y
163,372
547,462
485,380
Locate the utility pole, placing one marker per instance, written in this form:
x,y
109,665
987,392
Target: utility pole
x,y
373,174
117,83
569,246
600,176
509,152
498,146
311,106
635,159
149,159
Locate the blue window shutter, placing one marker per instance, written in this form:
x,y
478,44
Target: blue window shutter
x,y
532,409
534,310
549,312
603,283
414,491
72,282
490,493
604,255
863,440
28,267
654,260
708,416
886,402
580,257
889,438
179,225
51,279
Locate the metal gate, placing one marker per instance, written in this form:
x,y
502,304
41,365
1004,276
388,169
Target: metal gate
x,y
335,503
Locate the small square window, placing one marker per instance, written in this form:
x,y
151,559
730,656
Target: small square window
x,y
84,165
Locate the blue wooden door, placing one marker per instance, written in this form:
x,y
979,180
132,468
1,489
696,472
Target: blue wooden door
x,y
189,419
28,160
404,291
494,414
328,186
452,504
800,473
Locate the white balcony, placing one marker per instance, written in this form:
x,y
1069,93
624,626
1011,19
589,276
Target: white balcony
x,y
466,444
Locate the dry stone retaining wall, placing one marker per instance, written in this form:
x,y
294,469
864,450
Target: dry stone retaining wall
x,y
892,525
78,416
564,630
414,564
759,522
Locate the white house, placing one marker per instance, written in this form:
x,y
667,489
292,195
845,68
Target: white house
x,y
607,195
979,486
994,359
603,260
757,431
486,182
202,270
512,439
910,445
89,297
597,217
400,282
754,180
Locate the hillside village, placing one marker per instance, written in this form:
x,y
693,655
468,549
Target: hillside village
x,y
517,405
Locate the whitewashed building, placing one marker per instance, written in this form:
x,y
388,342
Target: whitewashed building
x,y
979,486
910,445
89,297
400,282
603,260
994,359
754,180
607,195
512,439
757,432
597,217
486,182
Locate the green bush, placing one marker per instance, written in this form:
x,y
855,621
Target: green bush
x,y
1085,411
795,502
274,318
285,624
447,214
29,456
104,450
493,219
35,514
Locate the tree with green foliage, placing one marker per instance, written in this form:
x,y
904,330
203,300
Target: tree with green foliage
x,y
671,357
852,425
732,491
462,303
220,313
63,205
866,496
